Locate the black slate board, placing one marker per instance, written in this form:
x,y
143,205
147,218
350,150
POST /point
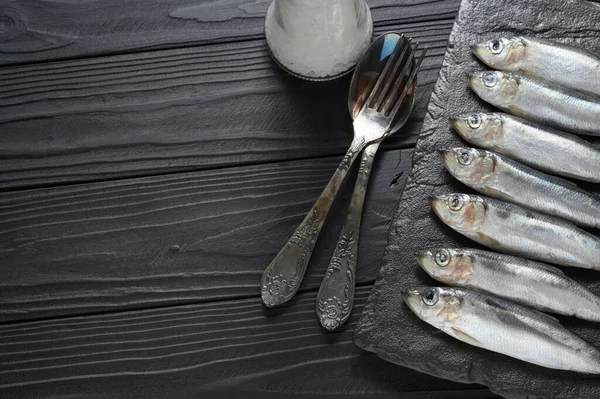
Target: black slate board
x,y
387,327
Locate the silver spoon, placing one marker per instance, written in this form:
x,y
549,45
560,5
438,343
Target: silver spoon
x,y
336,294
374,121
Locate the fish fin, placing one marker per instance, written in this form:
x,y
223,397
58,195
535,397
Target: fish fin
x,y
560,180
547,316
492,192
506,313
489,241
551,269
466,337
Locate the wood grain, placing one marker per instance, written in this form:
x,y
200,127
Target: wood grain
x,y
33,31
187,350
176,238
178,110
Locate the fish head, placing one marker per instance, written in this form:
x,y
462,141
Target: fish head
x,y
438,306
501,53
495,87
482,129
471,166
447,265
463,212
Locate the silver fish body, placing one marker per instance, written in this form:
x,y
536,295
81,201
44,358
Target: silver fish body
x,y
541,147
524,281
565,65
513,229
500,177
539,101
504,327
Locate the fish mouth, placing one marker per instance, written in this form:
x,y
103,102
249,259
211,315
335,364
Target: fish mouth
x,y
423,258
437,203
456,122
446,155
408,295
438,206
412,298
474,80
479,51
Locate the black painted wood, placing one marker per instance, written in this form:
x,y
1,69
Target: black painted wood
x,y
31,30
121,89
178,110
203,351
178,238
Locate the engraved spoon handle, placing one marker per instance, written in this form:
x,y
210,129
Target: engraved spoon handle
x,y
336,294
282,278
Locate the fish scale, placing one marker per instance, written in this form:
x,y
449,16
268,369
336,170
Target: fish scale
x,y
539,101
524,281
538,146
516,230
500,177
563,64
553,105
504,327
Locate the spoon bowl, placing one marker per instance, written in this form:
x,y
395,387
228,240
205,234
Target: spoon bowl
x,y
371,67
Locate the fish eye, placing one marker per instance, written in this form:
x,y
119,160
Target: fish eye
x,y
455,203
490,79
474,121
430,297
496,46
465,157
442,258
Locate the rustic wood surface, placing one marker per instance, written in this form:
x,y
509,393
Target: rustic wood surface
x,y
153,160
172,110
207,347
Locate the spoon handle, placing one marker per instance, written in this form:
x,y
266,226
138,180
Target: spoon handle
x,y
336,294
282,278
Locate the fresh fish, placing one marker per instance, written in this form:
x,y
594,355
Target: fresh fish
x,y
556,62
539,101
543,148
513,229
504,327
500,177
521,280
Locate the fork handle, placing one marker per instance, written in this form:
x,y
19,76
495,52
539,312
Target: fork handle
x,y
282,278
336,294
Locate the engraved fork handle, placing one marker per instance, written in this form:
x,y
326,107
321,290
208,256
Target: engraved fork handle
x,y
336,294
282,278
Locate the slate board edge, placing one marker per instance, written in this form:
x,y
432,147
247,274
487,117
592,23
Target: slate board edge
x,y
365,324
368,322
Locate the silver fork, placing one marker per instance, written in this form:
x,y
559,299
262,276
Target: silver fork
x,y
283,276
336,294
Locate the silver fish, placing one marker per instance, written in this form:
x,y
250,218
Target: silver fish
x,y
543,148
516,230
539,101
556,62
524,281
504,327
500,177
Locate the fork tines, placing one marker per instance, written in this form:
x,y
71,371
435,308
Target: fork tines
x,y
397,77
404,83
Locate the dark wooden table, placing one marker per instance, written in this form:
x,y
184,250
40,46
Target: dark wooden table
x,y
153,160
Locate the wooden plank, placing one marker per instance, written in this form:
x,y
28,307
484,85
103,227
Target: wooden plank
x,y
177,110
176,238
32,30
191,351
